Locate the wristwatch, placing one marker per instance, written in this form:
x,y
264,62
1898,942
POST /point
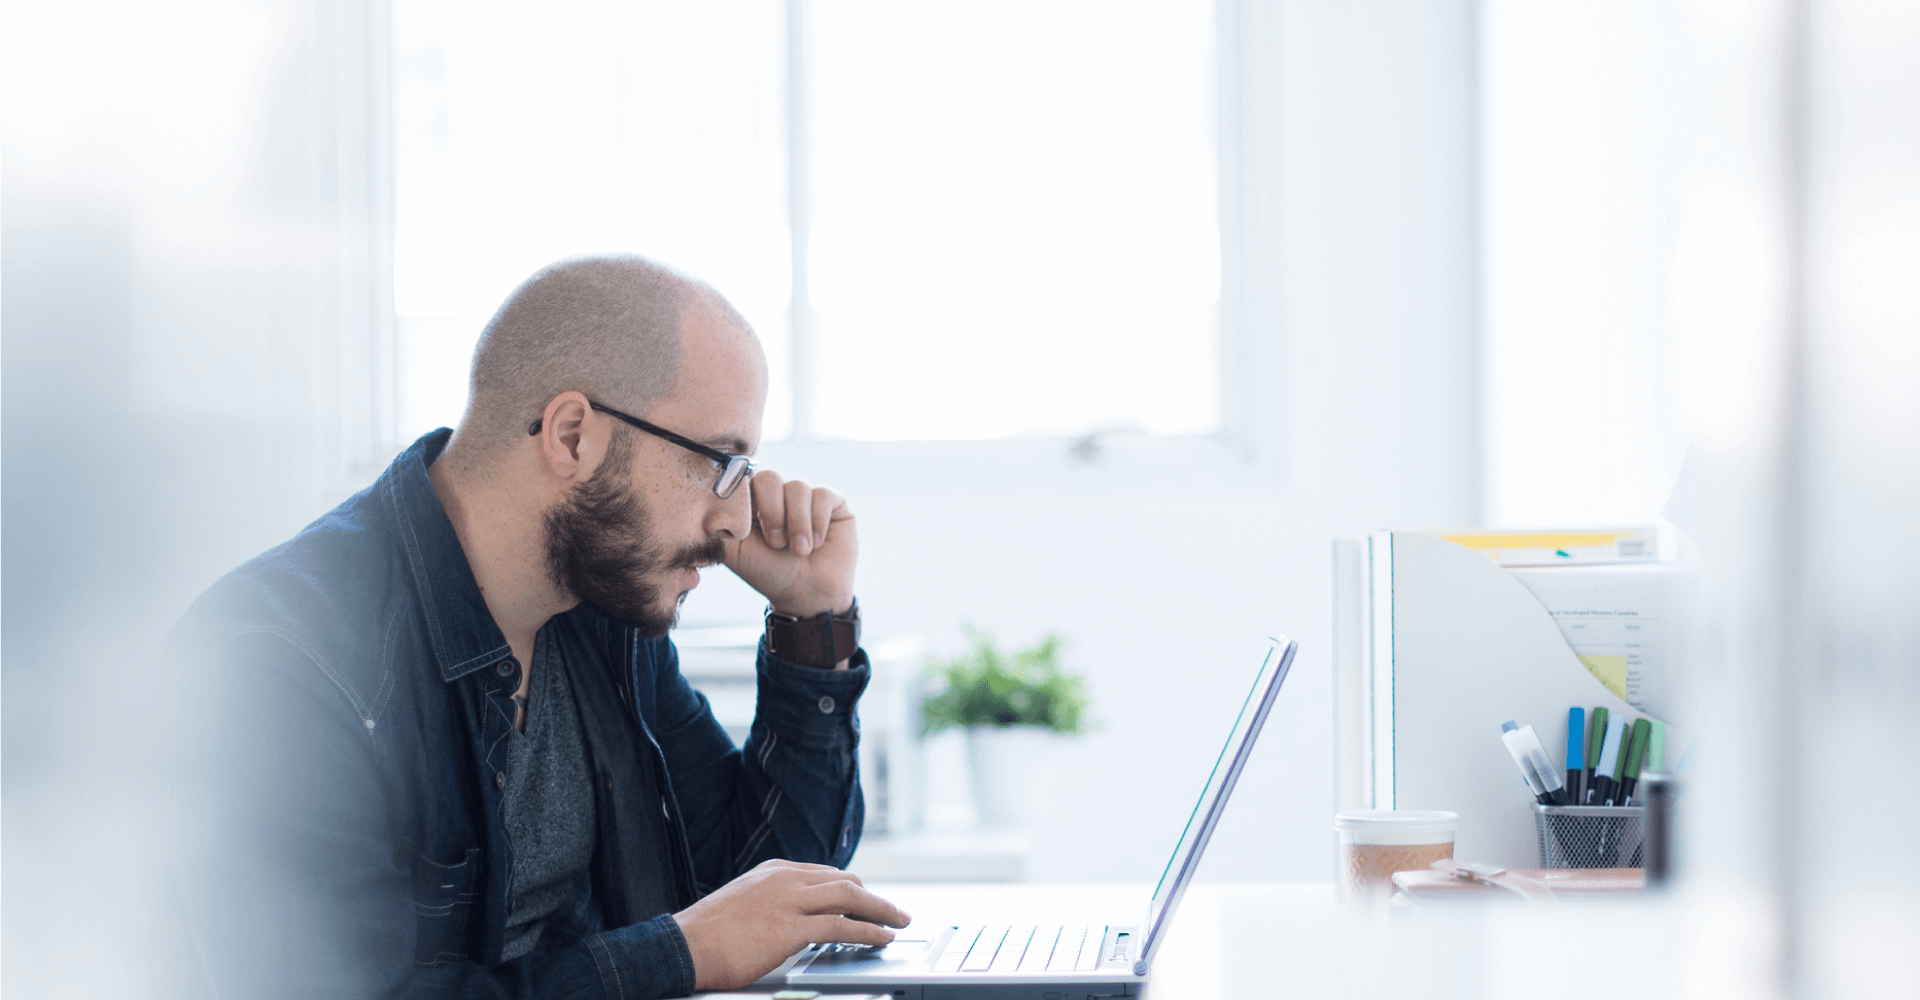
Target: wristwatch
x,y
820,641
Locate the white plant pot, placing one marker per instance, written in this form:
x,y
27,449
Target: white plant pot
x,y
1009,765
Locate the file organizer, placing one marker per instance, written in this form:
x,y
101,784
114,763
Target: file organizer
x,y
1436,645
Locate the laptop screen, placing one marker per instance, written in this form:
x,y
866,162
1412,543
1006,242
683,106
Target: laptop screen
x,y
1213,800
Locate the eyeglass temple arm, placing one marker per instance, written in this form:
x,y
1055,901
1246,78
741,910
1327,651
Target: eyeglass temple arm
x,y
654,429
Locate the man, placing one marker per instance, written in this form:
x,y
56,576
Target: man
x,y
438,745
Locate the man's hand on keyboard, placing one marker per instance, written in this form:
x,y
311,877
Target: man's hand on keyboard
x,y
746,928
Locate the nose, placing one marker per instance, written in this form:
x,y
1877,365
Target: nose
x,y
732,518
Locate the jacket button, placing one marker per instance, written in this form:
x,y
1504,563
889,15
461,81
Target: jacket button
x,y
500,779
826,704
507,667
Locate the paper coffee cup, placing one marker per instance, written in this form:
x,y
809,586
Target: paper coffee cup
x,y
1375,843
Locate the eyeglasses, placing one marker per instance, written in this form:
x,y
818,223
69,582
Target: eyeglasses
x,y
732,469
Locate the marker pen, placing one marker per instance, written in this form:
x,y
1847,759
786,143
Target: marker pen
x,y
1543,780
1576,752
1620,765
1636,755
1596,735
1602,794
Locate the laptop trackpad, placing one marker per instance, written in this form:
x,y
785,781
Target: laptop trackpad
x,y
898,958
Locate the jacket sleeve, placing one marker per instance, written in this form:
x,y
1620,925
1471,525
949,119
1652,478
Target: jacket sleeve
x,y
296,875
792,792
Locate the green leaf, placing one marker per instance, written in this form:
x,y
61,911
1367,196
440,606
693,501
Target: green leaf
x,y
986,687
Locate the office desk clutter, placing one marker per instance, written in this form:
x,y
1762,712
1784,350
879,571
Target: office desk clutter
x,y
1445,638
1589,820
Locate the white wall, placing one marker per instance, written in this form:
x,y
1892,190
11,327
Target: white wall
x,y
1164,585
1588,122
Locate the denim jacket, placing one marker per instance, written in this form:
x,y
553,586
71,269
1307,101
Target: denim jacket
x,y
335,773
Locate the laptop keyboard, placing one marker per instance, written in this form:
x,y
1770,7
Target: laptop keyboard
x,y
1006,948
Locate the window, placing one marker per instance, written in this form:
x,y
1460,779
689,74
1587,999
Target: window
x,y
972,221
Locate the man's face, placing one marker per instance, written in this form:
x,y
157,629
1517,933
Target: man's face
x,y
632,538
602,547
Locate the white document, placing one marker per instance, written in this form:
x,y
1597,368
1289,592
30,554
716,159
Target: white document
x,y
1622,624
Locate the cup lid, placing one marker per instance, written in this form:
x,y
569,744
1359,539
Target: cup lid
x,y
1398,820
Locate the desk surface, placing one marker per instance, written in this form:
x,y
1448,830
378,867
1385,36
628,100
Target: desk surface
x,y
1227,941
1254,939
1292,940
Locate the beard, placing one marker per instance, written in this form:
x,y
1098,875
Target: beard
x,y
600,548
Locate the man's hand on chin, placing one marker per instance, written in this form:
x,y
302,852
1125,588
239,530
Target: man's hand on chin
x,y
802,548
747,927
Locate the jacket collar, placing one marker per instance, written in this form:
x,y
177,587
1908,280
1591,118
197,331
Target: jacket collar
x,y
460,628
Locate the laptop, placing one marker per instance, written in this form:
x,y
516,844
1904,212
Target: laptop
x,y
1046,961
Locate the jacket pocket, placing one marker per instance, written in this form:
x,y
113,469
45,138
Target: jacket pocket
x,y
443,900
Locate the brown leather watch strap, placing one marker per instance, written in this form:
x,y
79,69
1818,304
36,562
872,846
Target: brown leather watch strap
x,y
820,641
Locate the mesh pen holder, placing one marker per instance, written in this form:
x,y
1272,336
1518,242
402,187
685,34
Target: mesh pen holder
x,y
1591,836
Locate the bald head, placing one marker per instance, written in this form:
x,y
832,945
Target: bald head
x,y
609,327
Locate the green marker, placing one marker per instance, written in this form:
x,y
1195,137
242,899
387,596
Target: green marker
x,y
1642,730
1596,735
1657,747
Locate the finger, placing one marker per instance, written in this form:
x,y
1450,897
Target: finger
x,y
826,929
855,901
770,507
814,874
799,523
825,502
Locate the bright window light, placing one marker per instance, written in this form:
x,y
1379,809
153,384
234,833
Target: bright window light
x,y
1012,219
525,133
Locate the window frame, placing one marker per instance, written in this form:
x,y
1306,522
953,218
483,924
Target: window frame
x,y
1240,452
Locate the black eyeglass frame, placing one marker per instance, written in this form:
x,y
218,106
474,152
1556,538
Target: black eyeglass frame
x,y
734,469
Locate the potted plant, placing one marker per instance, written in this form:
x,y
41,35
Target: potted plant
x,y
1010,706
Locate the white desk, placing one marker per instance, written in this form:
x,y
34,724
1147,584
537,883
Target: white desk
x,y
1261,940
1291,941
1232,941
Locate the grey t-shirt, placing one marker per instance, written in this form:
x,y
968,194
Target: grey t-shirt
x,y
548,804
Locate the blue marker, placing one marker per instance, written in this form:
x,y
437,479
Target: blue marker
x,y
1576,752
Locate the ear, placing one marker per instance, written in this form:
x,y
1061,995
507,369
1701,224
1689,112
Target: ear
x,y
568,440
